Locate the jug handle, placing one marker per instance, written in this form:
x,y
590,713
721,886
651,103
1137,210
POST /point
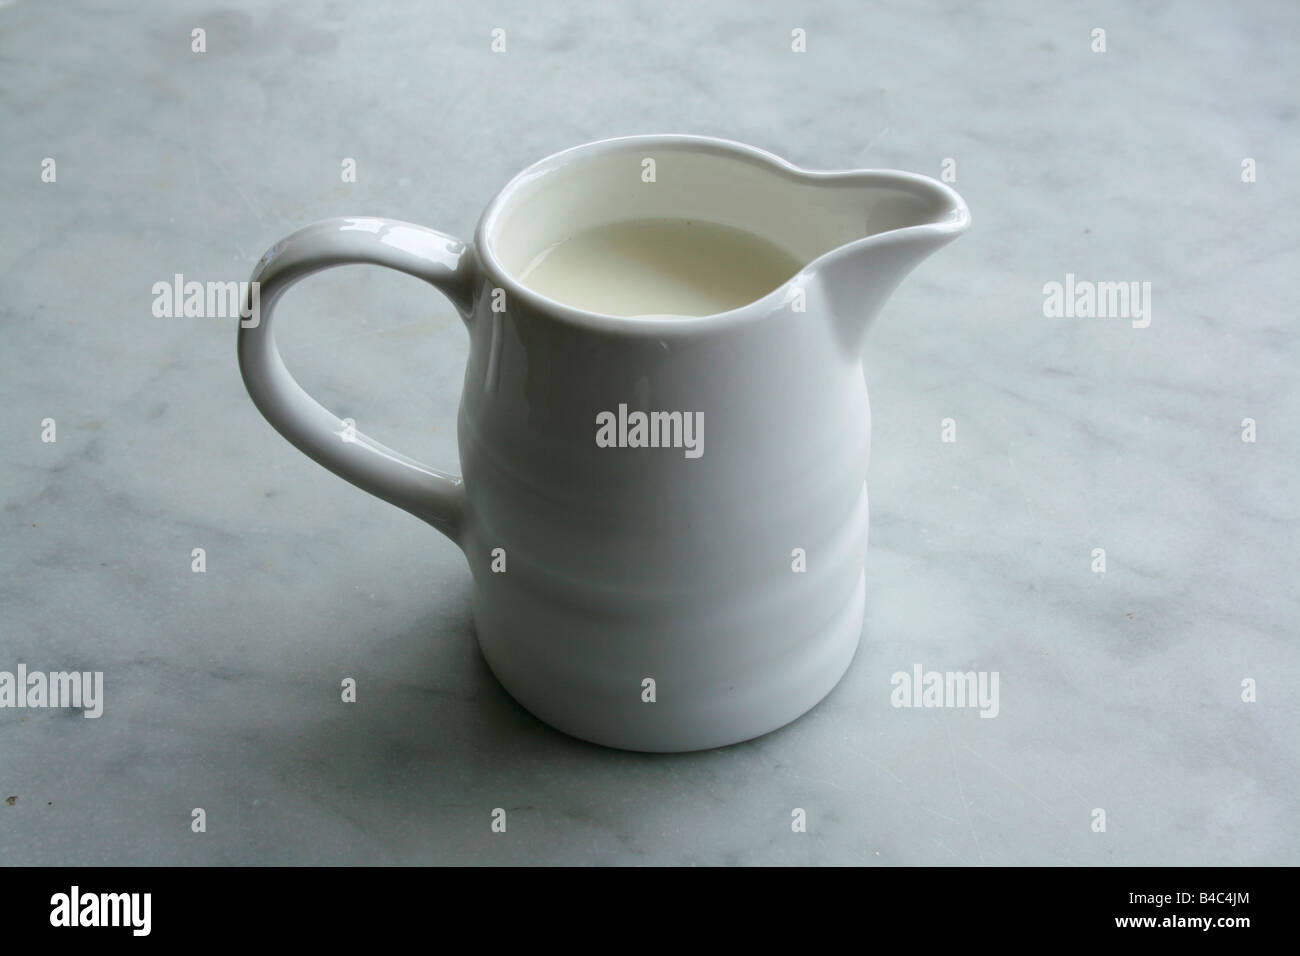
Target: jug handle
x,y
439,259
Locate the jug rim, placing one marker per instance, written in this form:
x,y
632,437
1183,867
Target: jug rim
x,y
954,221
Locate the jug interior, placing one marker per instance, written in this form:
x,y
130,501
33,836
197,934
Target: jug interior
x,y
793,215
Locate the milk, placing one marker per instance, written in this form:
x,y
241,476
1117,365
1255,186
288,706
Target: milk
x,y
680,267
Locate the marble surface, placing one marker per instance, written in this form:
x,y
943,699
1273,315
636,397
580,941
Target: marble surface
x,y
1119,690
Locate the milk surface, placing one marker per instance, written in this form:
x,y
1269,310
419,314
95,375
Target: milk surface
x,y
684,267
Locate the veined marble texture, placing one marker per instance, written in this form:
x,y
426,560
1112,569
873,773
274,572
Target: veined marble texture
x,y
1161,691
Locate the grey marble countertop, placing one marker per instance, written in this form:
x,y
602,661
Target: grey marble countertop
x,y
1120,691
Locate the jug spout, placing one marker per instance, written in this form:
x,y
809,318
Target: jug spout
x,y
890,221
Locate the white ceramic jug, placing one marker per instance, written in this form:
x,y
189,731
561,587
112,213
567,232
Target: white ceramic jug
x,y
640,597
